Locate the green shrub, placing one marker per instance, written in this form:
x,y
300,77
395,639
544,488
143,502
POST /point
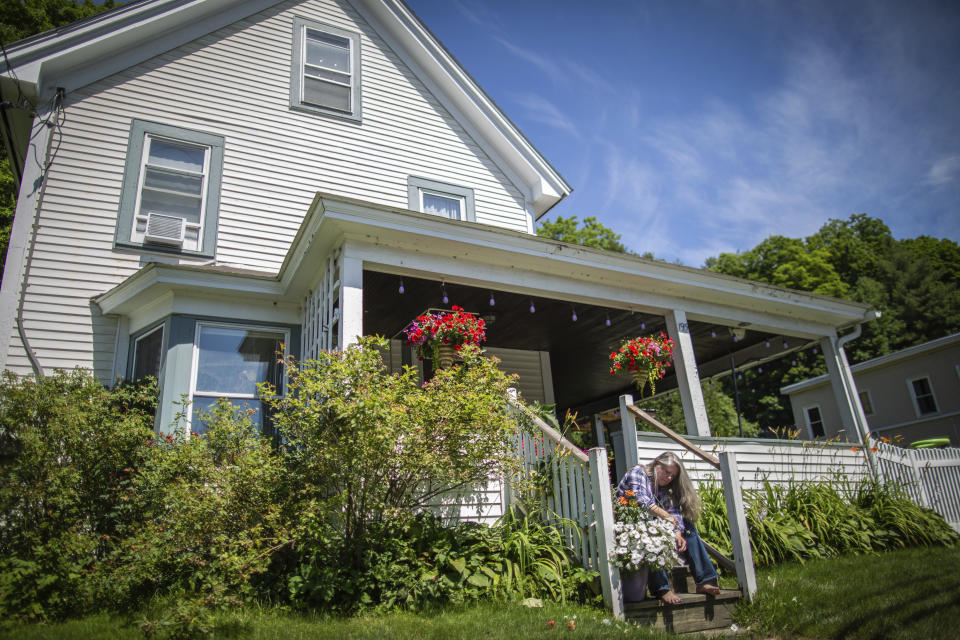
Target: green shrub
x,y
812,520
67,444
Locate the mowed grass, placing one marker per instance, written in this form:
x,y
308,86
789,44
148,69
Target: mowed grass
x,y
901,595
509,621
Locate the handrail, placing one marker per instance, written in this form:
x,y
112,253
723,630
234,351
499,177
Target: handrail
x,y
673,435
554,435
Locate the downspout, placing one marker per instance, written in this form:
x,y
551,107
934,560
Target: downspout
x,y
21,330
850,385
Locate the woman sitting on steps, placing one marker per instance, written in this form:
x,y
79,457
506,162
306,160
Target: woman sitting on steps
x,y
664,488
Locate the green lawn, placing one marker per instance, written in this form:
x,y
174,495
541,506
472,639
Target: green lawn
x,y
906,594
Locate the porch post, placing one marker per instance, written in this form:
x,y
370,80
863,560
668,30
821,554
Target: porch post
x,y
844,391
628,427
688,378
351,298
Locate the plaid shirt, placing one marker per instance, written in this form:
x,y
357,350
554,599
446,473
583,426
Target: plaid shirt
x,y
636,480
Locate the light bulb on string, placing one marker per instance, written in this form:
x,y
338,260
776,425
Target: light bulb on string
x,y
607,322
759,369
793,362
785,345
814,351
533,309
401,289
767,344
446,300
643,325
713,334
736,338
574,315
492,301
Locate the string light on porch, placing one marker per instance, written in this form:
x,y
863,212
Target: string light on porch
x,y
713,334
446,300
573,316
767,344
814,351
492,301
400,290
643,325
607,322
533,309
785,345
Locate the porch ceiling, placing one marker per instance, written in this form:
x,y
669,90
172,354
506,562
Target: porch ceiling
x,y
578,349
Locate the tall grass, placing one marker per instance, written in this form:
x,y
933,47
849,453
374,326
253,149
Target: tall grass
x,y
814,520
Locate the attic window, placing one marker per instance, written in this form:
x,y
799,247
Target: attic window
x,y
440,199
326,69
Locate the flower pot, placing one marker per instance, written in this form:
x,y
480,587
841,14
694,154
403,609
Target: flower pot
x,y
446,355
634,584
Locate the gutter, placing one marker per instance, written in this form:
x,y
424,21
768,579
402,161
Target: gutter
x,y
850,384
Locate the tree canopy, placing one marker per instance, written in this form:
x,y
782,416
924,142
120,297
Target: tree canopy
x,y
590,232
21,19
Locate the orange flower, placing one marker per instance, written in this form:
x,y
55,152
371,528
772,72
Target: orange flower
x,y
629,493
873,448
623,500
854,449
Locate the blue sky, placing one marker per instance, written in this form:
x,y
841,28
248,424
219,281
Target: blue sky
x,y
693,128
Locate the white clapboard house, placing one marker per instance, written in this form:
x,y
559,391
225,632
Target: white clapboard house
x,y
203,181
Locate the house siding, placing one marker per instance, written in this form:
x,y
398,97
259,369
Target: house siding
x,y
234,82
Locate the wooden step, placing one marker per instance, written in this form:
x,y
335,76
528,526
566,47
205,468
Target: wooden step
x,y
697,612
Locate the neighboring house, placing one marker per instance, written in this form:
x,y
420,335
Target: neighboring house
x,y
910,395
206,182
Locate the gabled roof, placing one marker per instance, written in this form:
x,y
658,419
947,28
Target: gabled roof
x,y
86,51
879,361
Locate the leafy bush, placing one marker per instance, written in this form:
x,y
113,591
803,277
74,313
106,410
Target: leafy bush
x,y
812,520
67,444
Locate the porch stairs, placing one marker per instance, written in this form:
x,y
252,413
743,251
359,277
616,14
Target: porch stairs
x,y
697,612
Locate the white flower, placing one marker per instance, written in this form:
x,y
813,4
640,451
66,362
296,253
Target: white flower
x,y
605,621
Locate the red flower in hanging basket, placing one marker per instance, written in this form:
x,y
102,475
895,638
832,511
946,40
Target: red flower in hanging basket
x,y
646,358
455,328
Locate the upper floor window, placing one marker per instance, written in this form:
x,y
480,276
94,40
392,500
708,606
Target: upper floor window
x,y
439,198
171,190
814,421
866,402
326,69
923,400
148,354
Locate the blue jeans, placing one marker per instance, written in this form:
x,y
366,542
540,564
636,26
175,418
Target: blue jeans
x,y
697,559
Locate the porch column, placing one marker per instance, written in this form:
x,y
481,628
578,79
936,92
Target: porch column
x,y
351,298
844,389
688,379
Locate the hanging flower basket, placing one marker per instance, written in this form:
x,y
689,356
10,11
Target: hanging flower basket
x,y
645,358
440,335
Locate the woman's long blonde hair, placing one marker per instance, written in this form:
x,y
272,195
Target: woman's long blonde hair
x,y
680,490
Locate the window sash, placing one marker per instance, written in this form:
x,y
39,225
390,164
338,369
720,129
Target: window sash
x,y
135,372
815,421
326,82
188,204
226,377
433,202
923,396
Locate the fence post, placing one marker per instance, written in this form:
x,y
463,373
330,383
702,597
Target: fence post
x,y
921,489
628,427
739,533
603,512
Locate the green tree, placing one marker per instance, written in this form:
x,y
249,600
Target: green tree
x,y
721,412
21,19
589,232
8,204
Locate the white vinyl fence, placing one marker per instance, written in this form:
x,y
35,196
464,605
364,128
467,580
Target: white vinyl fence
x,y
930,476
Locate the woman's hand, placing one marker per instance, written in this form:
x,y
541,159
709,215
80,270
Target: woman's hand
x,y
681,541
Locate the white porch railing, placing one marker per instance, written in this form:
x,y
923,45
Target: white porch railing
x,y
577,494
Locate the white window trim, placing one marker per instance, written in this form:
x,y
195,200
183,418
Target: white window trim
x,y
195,361
417,186
163,351
148,139
873,408
806,417
298,58
913,395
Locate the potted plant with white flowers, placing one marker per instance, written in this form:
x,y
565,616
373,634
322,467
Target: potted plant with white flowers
x,y
641,542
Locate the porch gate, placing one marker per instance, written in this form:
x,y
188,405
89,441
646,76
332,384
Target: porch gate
x,y
931,477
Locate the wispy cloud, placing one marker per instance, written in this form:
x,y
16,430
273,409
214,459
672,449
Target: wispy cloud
x,y
944,171
541,110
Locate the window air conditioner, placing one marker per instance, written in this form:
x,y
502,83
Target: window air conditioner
x,y
164,229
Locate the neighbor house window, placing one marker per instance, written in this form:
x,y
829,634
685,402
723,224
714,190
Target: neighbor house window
x,y
866,403
923,399
440,198
229,362
171,190
326,69
814,421
148,354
